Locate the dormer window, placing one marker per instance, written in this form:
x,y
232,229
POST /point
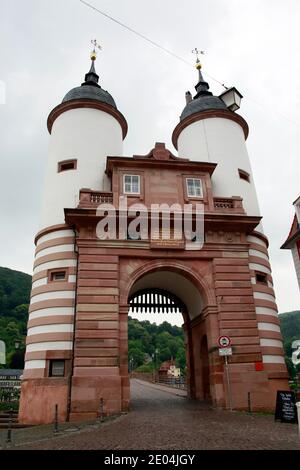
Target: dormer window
x,y
131,184
194,187
66,165
244,175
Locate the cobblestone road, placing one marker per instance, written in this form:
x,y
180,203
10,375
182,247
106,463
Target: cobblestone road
x,y
160,419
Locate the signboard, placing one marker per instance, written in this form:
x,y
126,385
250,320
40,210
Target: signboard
x,y
225,352
224,341
286,410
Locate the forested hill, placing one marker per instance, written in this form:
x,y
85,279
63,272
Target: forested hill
x,y
153,344
15,289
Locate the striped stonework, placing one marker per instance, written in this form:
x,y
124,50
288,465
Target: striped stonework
x,y
51,315
265,307
96,351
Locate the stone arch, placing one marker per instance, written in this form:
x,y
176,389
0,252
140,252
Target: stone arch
x,y
204,289
195,293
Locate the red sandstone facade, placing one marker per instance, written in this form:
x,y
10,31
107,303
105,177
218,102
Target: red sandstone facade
x,y
107,273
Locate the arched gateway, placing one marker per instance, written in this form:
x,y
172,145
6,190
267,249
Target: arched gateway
x,y
90,262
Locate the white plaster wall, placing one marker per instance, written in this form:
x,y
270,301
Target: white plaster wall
x,y
88,135
51,311
258,241
266,311
268,327
54,328
221,141
269,359
63,294
54,249
259,254
274,343
54,235
259,267
40,282
263,296
35,364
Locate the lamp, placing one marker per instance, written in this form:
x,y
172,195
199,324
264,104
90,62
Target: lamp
x,y
232,98
17,344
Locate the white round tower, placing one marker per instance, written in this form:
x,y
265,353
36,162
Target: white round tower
x,y
85,128
210,132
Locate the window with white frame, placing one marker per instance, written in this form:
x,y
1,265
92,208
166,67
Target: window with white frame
x,y
194,187
131,184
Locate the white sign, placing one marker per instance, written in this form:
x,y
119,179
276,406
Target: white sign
x,y
225,351
2,353
224,341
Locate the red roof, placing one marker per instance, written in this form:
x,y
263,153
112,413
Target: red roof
x,y
293,235
166,365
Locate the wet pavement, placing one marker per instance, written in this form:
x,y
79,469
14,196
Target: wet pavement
x,y
163,418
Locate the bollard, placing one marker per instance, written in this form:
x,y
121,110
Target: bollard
x,y
101,409
298,413
249,403
55,419
9,430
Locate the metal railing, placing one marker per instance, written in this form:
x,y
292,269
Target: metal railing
x,y
175,382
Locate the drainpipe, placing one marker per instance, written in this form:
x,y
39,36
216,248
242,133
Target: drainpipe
x,y
74,324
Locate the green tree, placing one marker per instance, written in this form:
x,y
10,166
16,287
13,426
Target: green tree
x,y
290,367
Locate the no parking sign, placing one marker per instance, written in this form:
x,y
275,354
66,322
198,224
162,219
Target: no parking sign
x,y
224,342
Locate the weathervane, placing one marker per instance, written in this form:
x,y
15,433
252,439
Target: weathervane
x,y
197,52
96,46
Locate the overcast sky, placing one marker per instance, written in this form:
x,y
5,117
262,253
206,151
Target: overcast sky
x,y
253,45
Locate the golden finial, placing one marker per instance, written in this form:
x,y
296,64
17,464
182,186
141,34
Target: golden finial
x,y
96,45
198,63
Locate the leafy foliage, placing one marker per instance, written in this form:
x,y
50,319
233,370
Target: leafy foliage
x,y
156,343
15,289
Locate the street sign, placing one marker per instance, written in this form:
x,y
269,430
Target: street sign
x,y
224,342
225,351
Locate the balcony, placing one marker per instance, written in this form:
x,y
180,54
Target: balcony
x,y
229,205
92,199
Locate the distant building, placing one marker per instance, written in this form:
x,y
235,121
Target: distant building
x,y
293,240
10,380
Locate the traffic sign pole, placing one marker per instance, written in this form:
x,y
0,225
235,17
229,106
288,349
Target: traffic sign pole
x,y
228,383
